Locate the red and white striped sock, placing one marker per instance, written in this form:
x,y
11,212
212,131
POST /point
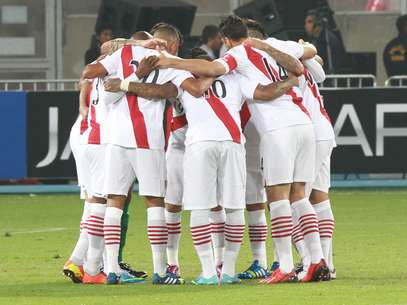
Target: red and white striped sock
x,y
234,231
326,228
298,240
81,248
201,236
217,220
258,235
309,226
281,231
112,231
158,236
173,221
94,226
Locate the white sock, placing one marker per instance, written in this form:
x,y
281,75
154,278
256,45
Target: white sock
x,y
94,226
281,231
112,231
258,235
326,228
173,221
217,221
81,248
309,226
201,236
158,236
298,240
234,231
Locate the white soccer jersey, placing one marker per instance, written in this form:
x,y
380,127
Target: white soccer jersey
x,y
215,116
133,121
287,110
97,115
313,101
178,123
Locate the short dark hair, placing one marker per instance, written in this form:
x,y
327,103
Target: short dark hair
x,y
401,23
169,28
197,52
254,25
103,28
208,32
233,28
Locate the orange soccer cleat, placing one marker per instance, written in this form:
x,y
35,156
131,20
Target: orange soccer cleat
x,y
99,278
280,277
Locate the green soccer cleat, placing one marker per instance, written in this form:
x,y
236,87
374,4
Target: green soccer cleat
x,y
227,279
168,279
202,281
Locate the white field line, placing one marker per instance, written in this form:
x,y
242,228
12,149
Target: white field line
x,y
38,231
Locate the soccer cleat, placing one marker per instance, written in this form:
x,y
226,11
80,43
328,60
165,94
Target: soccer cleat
x,y
173,269
202,281
227,279
316,272
124,278
99,278
280,277
332,274
274,266
168,279
255,271
127,267
299,267
74,272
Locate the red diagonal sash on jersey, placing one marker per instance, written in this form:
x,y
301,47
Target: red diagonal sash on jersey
x,y
94,135
314,89
84,122
223,114
257,60
244,115
137,117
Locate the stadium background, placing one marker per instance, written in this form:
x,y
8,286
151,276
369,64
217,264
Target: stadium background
x,y
42,44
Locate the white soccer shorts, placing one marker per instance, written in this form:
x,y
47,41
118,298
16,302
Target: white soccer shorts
x,y
288,155
123,165
175,174
322,167
95,158
255,191
214,172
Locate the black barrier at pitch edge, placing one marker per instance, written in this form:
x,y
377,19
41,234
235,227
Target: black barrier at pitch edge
x,y
371,128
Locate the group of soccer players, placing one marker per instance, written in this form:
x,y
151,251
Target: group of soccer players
x,y
246,131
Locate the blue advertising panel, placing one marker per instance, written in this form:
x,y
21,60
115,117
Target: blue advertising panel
x,y
13,152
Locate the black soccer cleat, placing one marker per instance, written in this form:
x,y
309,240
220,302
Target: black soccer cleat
x,y
126,267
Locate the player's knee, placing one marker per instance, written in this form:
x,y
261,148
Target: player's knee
x,y
255,207
278,192
297,191
217,209
116,201
318,196
153,202
172,208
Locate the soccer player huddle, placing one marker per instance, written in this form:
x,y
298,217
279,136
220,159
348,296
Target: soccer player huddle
x,y
246,131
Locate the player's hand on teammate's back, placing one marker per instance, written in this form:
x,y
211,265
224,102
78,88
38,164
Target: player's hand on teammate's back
x,y
112,85
146,66
293,79
164,60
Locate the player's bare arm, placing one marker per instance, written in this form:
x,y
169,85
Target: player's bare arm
x,y
199,67
289,62
83,94
147,91
197,86
310,51
274,90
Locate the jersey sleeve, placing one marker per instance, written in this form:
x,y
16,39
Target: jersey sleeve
x,y
247,86
179,76
290,47
316,70
232,59
112,62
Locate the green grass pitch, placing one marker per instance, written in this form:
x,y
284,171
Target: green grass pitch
x,y
38,234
